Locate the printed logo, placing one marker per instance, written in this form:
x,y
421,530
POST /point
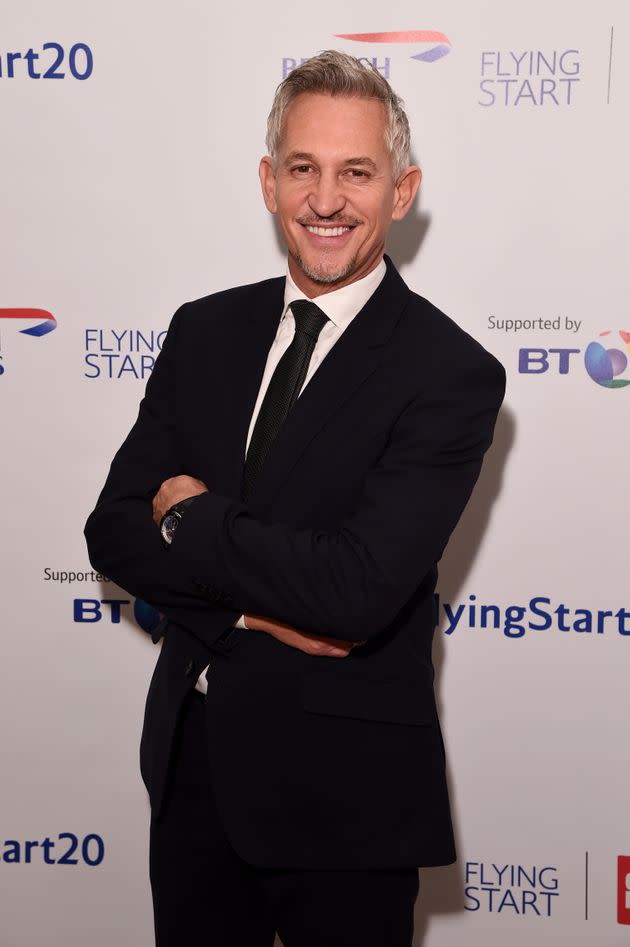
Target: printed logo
x,y
90,610
539,614
289,63
113,610
44,321
41,328
146,616
623,890
117,354
517,890
70,849
605,365
436,46
438,43
49,63
528,77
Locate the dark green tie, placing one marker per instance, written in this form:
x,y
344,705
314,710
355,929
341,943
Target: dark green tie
x,y
284,387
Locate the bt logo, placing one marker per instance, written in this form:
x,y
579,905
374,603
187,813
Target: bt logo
x,y
91,610
603,365
146,616
537,361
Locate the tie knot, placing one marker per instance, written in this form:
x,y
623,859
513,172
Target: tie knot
x,y
309,318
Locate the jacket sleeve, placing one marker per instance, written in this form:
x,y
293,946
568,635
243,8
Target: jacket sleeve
x,y
123,541
352,582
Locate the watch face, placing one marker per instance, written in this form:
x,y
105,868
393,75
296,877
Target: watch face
x,y
169,525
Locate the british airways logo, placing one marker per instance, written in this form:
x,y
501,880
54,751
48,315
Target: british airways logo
x,y
43,327
42,322
424,46
437,44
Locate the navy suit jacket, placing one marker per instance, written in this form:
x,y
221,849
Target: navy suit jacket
x,y
317,762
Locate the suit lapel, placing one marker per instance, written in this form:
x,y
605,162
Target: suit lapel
x,y
351,360
251,336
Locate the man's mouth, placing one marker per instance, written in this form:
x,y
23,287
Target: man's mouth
x,y
327,231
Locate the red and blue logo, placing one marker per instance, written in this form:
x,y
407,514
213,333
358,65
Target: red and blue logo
x,y
45,322
608,366
437,44
146,615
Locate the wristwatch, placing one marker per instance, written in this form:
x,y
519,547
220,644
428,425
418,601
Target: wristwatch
x,y
172,518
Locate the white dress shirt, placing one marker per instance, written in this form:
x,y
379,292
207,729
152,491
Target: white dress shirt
x,y
341,306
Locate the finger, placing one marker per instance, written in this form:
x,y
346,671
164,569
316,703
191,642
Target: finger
x,y
324,650
157,510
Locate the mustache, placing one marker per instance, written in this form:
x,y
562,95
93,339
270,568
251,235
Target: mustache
x,y
339,220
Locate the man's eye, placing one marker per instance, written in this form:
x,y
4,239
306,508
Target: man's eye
x,y
302,168
357,173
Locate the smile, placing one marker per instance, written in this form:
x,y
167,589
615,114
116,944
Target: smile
x,y
328,231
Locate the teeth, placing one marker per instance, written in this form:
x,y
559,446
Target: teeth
x,y
327,231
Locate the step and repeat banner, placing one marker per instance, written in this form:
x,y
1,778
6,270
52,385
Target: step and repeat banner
x,y
131,135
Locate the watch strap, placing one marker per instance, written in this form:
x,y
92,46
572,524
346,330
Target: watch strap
x,y
177,510
181,506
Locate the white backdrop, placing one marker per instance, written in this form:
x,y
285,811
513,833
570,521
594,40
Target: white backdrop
x,y
128,191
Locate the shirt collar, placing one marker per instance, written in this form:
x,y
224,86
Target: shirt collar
x,y
341,305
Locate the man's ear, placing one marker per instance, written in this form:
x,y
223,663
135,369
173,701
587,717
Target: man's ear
x,y
406,189
268,183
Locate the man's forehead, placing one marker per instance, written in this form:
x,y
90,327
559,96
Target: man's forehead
x,y
315,120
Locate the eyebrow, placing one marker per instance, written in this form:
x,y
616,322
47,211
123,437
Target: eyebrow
x,y
362,161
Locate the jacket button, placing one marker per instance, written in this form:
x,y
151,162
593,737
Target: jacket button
x,y
190,667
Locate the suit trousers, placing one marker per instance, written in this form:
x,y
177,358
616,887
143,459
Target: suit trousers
x,y
205,895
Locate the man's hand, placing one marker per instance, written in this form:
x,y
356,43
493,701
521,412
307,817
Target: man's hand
x,y
174,490
321,647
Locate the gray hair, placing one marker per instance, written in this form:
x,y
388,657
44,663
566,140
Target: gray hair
x,y
335,73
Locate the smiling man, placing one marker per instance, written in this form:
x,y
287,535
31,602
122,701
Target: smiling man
x,y
302,454
334,188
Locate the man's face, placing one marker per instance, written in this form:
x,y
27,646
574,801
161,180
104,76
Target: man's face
x,y
331,186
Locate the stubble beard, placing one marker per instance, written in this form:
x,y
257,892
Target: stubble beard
x,y
321,275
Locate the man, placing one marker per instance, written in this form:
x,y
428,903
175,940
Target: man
x,y
283,498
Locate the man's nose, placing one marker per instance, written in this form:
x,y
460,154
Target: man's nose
x,y
326,196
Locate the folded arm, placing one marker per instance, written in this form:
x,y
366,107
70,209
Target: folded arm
x,y
346,584
350,583
124,542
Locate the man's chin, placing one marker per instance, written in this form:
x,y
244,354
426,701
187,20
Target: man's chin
x,y
326,275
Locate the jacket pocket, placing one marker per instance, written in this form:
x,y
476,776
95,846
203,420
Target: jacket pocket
x,y
384,701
